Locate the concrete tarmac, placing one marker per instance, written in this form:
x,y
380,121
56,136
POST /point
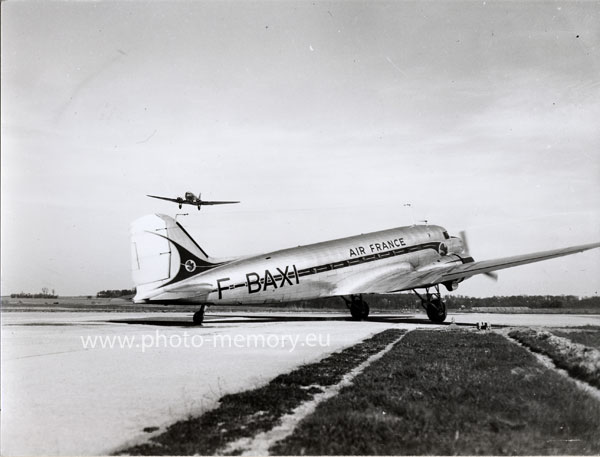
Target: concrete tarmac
x,y
89,383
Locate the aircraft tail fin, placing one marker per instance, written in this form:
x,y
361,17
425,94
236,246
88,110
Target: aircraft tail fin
x,y
163,254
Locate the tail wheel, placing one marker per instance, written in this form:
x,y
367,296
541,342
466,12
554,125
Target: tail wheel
x,y
199,316
180,206
436,310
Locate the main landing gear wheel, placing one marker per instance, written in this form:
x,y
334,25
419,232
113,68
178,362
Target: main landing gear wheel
x,y
359,309
433,304
436,310
199,315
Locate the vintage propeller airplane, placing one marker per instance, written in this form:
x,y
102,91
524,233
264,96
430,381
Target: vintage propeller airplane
x,y
191,199
170,267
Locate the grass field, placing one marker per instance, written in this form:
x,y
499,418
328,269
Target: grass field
x,y
588,336
116,305
458,392
580,361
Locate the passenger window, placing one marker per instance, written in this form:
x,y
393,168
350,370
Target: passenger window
x,y
446,236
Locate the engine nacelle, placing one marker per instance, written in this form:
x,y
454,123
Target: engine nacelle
x,y
449,259
452,285
445,261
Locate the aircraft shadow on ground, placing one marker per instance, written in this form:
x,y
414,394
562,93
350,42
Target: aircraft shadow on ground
x,y
254,319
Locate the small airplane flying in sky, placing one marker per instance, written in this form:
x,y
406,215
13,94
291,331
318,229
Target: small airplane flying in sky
x,y
169,267
191,199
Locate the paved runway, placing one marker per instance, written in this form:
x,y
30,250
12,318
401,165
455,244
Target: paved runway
x,y
63,393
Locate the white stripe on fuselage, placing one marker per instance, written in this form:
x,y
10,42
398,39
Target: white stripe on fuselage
x,y
316,270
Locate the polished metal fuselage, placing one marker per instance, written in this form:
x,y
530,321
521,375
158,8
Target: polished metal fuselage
x,y
325,269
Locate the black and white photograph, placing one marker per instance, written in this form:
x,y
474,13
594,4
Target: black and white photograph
x,y
300,227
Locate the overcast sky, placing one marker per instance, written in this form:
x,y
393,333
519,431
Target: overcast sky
x,y
323,118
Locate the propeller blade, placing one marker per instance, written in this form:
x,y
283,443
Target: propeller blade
x,y
463,236
490,274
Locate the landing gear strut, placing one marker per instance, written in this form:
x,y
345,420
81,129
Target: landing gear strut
x,y
199,315
433,304
357,306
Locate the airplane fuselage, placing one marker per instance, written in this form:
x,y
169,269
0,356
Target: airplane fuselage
x,y
190,198
329,268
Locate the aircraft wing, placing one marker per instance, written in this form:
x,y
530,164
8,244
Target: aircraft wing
x,y
386,280
215,203
176,200
396,279
470,269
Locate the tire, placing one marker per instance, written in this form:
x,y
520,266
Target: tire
x,y
198,317
365,311
359,311
436,311
356,312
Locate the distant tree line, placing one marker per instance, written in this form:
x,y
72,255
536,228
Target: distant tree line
x,y
115,293
411,301
528,301
46,293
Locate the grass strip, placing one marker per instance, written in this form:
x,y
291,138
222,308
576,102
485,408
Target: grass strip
x,y
588,336
245,414
580,361
452,392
